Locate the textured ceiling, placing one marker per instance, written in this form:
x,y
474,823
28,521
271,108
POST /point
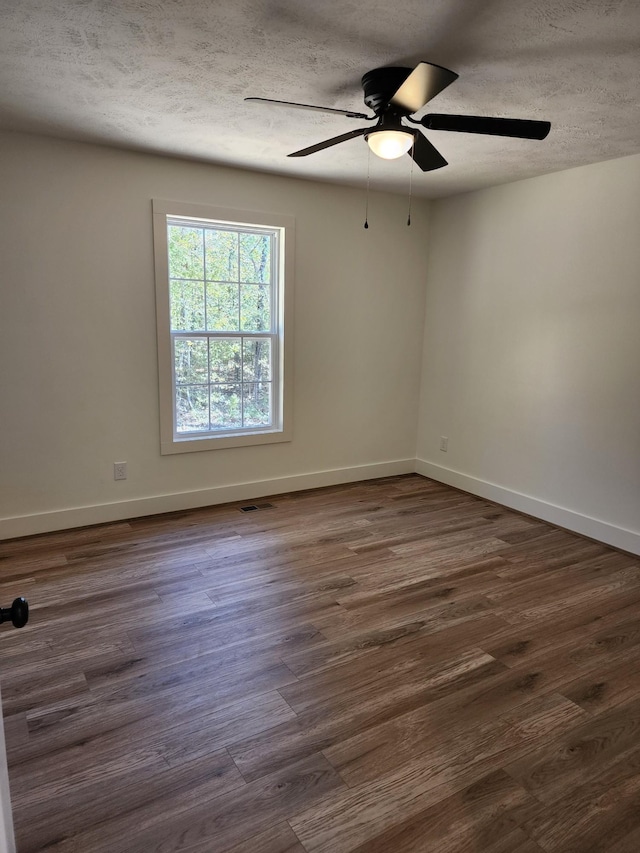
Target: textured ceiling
x,y
170,76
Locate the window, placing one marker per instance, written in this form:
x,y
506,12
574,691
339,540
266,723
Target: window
x,y
223,293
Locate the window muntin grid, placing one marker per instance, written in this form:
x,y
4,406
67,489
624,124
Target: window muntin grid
x,y
223,293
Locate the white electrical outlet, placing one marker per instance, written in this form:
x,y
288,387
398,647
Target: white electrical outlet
x,y
444,443
119,470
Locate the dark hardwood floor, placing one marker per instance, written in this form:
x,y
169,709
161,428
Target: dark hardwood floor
x,y
382,667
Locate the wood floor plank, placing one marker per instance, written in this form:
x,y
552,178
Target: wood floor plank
x,y
337,621
85,718
408,657
278,839
361,710
121,783
593,635
477,818
606,687
629,843
582,753
223,821
345,821
447,747
389,666
179,732
600,815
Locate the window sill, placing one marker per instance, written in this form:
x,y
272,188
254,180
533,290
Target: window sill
x,y
191,444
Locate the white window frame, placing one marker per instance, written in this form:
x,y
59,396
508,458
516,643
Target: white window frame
x,y
281,430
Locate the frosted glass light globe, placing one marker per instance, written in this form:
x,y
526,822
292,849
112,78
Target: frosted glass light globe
x,y
389,144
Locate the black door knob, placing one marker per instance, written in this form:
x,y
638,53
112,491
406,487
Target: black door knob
x,y
18,613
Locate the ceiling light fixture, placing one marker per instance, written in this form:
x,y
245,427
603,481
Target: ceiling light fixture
x,y
389,144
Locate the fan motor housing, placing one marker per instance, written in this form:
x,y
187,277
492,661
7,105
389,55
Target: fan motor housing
x,y
380,85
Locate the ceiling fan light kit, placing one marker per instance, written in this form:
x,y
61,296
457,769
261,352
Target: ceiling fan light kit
x,y
389,144
396,93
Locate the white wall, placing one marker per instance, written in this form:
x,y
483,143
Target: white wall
x,y
78,386
7,839
531,361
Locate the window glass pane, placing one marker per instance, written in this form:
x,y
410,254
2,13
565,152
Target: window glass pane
x,y
256,365
187,305
223,307
225,360
225,407
257,403
220,360
221,255
190,359
192,408
186,256
255,258
255,308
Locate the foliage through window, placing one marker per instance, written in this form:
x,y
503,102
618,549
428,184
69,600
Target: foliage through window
x,y
225,294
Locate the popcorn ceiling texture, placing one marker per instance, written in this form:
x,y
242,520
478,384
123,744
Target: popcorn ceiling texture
x,y
169,76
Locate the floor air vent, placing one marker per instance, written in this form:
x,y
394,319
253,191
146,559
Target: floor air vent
x,y
254,507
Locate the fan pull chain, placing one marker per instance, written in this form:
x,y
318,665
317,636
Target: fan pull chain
x,y
413,145
366,209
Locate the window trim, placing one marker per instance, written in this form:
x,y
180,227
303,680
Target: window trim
x,y
164,210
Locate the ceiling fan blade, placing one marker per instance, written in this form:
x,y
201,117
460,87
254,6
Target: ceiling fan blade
x,y
348,113
423,84
425,155
329,142
515,127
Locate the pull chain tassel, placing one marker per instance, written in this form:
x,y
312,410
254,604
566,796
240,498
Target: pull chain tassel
x,y
366,210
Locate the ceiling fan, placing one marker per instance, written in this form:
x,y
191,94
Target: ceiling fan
x,y
394,94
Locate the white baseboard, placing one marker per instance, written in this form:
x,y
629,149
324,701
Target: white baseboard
x,y
619,537
64,519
